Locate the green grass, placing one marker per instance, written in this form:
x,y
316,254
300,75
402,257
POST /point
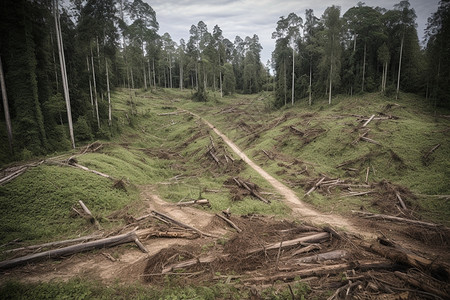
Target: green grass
x,y
37,206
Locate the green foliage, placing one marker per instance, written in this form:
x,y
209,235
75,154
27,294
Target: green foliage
x,y
82,130
38,204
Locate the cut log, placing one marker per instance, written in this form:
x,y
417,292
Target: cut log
x,y
332,255
368,121
150,233
89,170
193,202
392,218
398,255
420,281
367,175
267,154
172,113
229,222
242,183
364,138
315,186
306,249
400,200
434,148
167,218
315,238
107,242
359,193
360,136
214,157
191,262
58,243
297,131
13,175
92,219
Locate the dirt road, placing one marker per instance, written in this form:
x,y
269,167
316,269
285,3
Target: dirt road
x,y
300,209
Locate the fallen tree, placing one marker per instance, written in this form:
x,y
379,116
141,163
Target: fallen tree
x,y
107,242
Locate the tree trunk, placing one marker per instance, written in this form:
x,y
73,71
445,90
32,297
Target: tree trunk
x,y
154,74
109,96
95,89
107,242
220,79
293,75
399,67
310,82
331,75
364,68
63,71
285,82
181,75
90,86
6,108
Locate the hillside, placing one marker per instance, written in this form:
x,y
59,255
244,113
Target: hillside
x,y
166,154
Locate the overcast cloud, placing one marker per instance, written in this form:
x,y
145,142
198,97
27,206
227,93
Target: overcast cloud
x,y
248,17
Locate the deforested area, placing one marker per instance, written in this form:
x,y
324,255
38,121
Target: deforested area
x,y
194,170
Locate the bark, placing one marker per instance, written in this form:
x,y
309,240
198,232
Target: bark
x,y
368,121
306,239
392,218
95,89
399,67
90,87
58,243
187,203
293,75
63,71
109,96
92,219
230,223
441,290
6,108
310,83
364,68
107,242
332,255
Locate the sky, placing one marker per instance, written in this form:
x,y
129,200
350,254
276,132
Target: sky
x,y
248,17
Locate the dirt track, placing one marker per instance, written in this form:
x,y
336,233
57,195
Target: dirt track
x,y
300,209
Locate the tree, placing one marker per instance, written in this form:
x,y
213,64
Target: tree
x,y
332,49
310,33
62,62
229,81
6,108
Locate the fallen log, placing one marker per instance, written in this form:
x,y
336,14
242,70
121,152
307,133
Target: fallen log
x,y
410,259
400,200
102,243
172,113
315,186
419,280
150,233
367,175
13,175
297,131
167,218
434,148
229,222
332,255
193,202
73,163
58,243
92,219
306,249
364,138
191,262
392,218
214,157
241,183
368,121
315,238
267,154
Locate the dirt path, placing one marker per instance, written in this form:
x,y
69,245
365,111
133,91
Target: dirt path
x,y
300,209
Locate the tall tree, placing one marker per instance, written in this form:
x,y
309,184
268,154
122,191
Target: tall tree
x,y
6,107
62,62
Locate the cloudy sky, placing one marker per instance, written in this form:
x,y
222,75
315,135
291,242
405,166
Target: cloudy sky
x,y
248,17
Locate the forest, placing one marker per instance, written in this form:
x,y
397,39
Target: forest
x,y
59,64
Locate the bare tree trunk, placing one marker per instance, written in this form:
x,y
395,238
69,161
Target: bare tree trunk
x,y
132,78
310,81
285,83
154,74
143,67
90,86
181,75
6,108
385,76
331,76
293,75
95,89
109,96
399,67
170,72
63,71
364,68
149,75
54,63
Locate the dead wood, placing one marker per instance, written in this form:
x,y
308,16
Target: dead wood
x,y
364,138
347,287
267,154
152,233
167,218
425,283
352,194
306,249
229,222
107,242
315,238
252,191
73,162
13,175
434,148
58,243
191,262
194,202
296,131
400,200
315,186
368,121
91,218
172,113
332,255
400,256
392,218
214,157
367,175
